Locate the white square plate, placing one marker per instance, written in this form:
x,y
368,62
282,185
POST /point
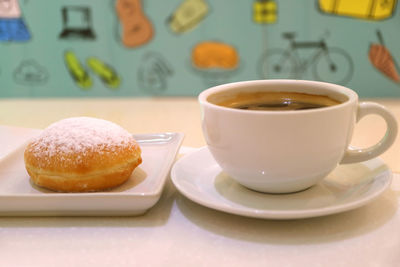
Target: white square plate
x,y
19,197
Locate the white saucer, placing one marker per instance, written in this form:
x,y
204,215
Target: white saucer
x,y
199,178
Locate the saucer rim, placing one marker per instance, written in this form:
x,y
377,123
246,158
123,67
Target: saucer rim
x,y
386,175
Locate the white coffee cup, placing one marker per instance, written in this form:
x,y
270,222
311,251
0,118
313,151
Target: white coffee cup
x,y
291,150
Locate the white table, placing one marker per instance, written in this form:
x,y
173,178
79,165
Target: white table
x,y
179,232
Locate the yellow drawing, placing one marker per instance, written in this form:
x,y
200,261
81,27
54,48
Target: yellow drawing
x,y
81,75
106,73
215,61
265,11
364,9
77,71
188,15
213,54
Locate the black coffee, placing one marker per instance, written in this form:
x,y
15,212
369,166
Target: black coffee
x,y
272,100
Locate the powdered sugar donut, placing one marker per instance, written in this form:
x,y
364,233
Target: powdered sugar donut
x,y
82,154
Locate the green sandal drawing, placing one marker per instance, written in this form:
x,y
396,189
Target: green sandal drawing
x,y
77,71
106,73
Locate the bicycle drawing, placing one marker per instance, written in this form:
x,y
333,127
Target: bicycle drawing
x,y
329,64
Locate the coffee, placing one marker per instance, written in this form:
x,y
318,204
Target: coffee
x,y
278,101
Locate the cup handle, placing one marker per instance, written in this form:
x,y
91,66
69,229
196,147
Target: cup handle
x,y
353,155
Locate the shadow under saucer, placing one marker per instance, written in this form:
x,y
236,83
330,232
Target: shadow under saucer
x,y
316,230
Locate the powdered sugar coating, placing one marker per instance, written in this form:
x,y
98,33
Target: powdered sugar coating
x,y
79,136
82,154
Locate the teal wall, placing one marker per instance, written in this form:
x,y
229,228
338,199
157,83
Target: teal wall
x,y
227,21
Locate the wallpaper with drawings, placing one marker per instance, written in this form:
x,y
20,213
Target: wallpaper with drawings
x,y
123,48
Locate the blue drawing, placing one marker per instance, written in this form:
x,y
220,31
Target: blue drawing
x,y
12,25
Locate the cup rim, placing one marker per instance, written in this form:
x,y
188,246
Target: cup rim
x,y
350,94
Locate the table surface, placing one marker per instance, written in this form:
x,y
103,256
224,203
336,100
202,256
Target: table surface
x,y
179,232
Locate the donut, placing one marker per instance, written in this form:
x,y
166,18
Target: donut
x,y
81,154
